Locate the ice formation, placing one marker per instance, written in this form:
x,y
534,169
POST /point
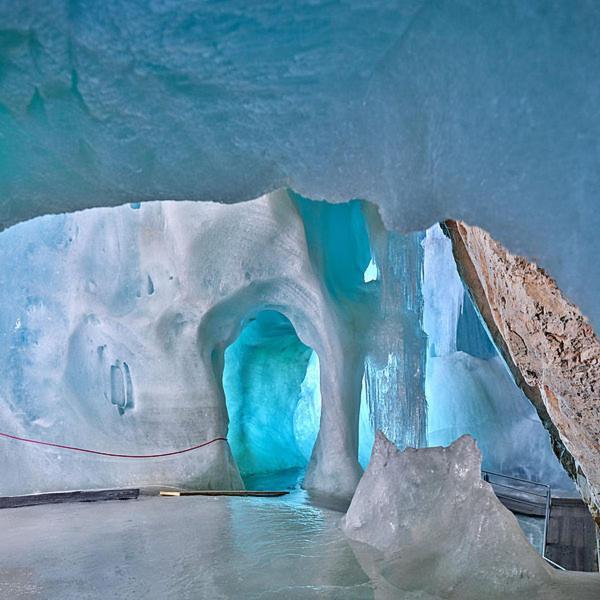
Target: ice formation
x,y
128,330
479,111
438,375
469,388
115,324
271,384
427,526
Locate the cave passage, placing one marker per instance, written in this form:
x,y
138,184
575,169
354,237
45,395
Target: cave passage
x,y
271,383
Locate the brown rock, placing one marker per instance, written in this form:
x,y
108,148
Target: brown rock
x,y
548,344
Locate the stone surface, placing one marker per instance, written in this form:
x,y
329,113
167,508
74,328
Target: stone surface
x,y
548,344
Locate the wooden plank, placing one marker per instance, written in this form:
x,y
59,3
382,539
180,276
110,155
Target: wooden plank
x,y
571,540
257,493
62,497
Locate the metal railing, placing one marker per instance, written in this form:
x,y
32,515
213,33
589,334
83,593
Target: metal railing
x,y
526,497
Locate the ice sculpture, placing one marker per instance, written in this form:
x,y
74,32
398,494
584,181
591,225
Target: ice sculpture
x,y
469,388
427,526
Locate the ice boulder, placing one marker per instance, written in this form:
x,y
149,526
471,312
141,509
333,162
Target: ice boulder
x,y
429,527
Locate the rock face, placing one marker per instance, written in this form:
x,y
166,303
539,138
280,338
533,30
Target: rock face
x,y
429,527
548,344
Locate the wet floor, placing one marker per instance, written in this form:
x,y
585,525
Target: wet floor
x,y
215,548
189,547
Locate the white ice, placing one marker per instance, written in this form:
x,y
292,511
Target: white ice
x,y
426,526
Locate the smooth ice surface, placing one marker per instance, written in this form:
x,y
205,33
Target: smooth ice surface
x,y
468,386
426,526
467,394
273,400
179,548
486,112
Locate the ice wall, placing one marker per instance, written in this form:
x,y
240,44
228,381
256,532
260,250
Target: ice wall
x,y
469,388
271,384
486,112
115,323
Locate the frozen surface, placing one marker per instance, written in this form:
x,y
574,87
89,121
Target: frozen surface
x,y
469,388
485,112
125,330
179,548
271,383
114,325
467,394
426,526
192,549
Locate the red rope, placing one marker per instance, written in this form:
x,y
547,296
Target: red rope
x,y
74,448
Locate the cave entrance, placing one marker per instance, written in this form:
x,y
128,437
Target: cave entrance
x,y
271,384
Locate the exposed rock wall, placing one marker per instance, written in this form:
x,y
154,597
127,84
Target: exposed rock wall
x,y
548,344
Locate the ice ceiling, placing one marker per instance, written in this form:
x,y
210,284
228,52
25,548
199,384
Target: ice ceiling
x,y
486,112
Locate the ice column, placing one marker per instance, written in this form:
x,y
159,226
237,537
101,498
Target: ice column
x,y
395,363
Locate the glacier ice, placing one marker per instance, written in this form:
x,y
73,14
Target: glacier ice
x,y
426,526
469,389
116,322
271,384
432,373
485,112
128,330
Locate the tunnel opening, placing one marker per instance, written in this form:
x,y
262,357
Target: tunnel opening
x,y
271,383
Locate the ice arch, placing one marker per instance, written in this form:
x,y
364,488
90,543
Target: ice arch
x,y
116,322
271,384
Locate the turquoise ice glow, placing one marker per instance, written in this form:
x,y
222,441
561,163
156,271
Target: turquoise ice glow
x,y
271,383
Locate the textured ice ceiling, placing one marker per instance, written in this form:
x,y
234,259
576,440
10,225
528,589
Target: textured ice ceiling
x,y
486,112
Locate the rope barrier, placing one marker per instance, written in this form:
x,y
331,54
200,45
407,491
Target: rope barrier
x,y
111,454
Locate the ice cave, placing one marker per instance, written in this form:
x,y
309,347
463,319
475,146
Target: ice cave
x,y
300,299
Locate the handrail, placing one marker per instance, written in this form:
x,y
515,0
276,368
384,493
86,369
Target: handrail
x,y
555,565
548,496
528,481
510,487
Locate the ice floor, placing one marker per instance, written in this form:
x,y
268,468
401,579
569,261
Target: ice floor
x,y
213,548
194,547
186,548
